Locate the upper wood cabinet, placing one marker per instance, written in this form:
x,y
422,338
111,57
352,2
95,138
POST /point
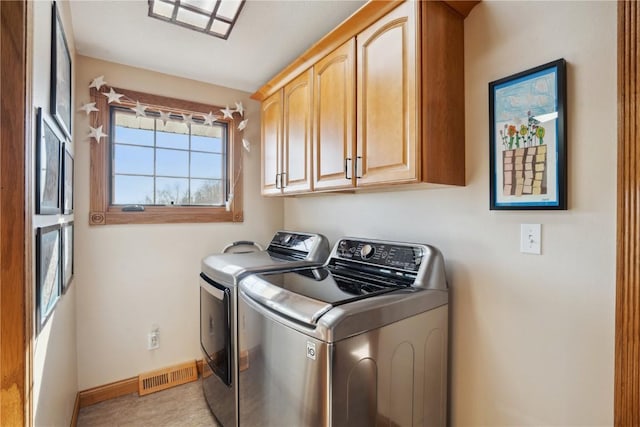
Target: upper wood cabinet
x,y
297,149
286,138
271,137
387,150
386,101
334,119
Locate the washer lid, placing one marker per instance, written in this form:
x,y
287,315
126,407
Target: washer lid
x,y
305,295
227,268
287,250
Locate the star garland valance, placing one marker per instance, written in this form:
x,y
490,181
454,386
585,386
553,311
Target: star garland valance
x,y
143,110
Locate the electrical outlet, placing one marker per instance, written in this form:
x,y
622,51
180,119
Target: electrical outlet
x,y
153,339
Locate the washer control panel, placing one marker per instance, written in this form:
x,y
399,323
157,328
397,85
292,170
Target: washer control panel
x,y
403,257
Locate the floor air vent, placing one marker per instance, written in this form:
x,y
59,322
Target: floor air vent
x,y
166,378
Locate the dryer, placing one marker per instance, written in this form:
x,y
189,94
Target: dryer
x,y
219,329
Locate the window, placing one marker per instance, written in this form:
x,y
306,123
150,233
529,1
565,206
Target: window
x,y
173,160
155,162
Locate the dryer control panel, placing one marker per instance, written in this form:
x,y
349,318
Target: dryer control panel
x,y
299,245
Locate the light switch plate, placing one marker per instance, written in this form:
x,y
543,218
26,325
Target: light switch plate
x,y
530,238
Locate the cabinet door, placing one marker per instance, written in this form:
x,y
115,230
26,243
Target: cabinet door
x,y
334,119
296,148
387,92
271,123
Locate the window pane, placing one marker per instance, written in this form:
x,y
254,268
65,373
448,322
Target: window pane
x,y
206,192
134,160
173,139
208,138
134,136
219,27
206,165
229,9
172,163
130,129
162,9
216,130
192,18
203,143
130,190
205,5
172,190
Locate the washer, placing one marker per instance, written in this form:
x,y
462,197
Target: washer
x,y
361,341
218,307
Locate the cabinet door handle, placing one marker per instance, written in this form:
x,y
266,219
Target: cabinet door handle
x,y
359,167
282,180
277,177
347,164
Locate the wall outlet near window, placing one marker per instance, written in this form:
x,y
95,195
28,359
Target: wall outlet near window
x,y
153,339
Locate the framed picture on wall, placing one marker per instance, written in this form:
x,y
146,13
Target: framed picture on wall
x,y
527,136
47,272
48,148
67,181
60,74
67,256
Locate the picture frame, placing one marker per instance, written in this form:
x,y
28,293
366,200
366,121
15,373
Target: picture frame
x,y
48,279
67,181
67,255
60,74
527,138
48,153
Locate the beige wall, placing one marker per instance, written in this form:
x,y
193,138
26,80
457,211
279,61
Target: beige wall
x,y
129,277
55,380
531,336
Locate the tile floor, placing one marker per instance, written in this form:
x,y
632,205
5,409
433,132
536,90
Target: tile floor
x,y
182,406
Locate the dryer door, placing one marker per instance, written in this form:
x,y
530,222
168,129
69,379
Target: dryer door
x,y
215,327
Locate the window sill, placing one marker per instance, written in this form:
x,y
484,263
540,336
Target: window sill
x,y
165,215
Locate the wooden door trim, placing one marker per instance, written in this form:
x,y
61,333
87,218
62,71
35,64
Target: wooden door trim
x,y
14,319
627,334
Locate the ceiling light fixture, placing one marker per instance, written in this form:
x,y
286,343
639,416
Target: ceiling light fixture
x,y
213,17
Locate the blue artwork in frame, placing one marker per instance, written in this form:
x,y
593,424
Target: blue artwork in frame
x,y
48,278
60,74
527,134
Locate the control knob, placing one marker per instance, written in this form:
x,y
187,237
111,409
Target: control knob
x,y
367,251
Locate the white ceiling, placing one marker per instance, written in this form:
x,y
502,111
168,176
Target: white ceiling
x,y
267,37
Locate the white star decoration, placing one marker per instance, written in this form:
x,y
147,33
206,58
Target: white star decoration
x,y
96,133
164,117
113,96
240,108
227,113
139,109
89,107
98,82
209,118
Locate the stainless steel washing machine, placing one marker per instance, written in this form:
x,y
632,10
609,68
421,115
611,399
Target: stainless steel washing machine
x,y
218,308
361,341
